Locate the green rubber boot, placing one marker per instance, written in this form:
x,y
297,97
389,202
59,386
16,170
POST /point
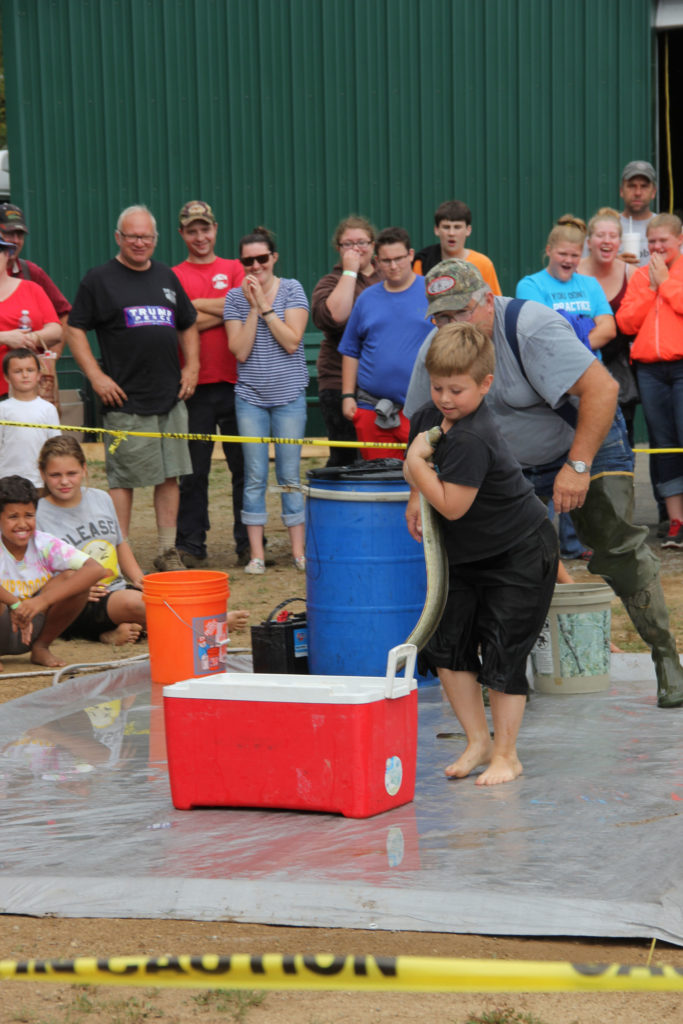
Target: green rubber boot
x,y
648,612
624,559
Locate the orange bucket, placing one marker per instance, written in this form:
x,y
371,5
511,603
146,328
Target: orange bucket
x,y
186,623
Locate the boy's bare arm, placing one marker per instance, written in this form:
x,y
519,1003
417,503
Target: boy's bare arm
x,y
451,500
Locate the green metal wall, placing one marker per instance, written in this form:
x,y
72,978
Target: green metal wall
x,y
292,113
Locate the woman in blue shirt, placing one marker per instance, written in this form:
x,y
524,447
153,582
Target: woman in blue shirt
x,y
582,301
578,297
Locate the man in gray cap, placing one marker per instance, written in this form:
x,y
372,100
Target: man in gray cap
x,y
638,189
556,405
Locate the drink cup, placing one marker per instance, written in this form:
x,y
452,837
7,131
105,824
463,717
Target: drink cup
x,y
630,243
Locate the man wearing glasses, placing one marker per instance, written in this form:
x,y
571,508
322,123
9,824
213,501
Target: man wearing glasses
x,y
140,314
379,346
556,405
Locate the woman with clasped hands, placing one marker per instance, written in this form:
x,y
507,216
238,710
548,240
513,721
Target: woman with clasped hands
x,y
652,309
265,320
23,301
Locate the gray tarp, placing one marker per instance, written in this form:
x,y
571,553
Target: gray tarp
x,y
586,843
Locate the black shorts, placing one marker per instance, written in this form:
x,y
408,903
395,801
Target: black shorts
x,y
91,622
495,610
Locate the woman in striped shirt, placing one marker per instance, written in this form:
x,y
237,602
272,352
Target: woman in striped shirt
x,y
265,319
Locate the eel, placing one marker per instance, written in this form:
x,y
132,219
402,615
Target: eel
x,y
436,562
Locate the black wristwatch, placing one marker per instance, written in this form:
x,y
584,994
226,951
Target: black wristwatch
x,y
579,466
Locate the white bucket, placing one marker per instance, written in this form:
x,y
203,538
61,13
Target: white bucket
x,y
572,653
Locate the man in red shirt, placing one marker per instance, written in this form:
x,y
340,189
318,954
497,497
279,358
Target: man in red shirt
x,y
206,278
13,229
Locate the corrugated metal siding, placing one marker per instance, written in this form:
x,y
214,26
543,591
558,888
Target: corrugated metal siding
x,y
292,113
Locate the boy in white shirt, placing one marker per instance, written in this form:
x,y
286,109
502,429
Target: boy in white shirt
x,y
19,446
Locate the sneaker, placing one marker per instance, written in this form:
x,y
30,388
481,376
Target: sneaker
x,y
674,538
300,563
256,567
663,529
243,556
169,561
191,561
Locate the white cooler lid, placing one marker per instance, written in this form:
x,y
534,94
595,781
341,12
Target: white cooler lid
x,y
289,689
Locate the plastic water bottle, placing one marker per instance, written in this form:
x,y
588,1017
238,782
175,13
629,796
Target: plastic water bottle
x,y
25,321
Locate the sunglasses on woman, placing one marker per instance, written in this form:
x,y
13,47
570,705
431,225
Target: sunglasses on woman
x,y
247,261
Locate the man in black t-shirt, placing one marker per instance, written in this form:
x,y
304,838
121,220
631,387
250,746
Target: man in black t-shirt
x,y
140,314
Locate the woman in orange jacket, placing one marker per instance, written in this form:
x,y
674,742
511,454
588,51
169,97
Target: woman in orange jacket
x,y
652,309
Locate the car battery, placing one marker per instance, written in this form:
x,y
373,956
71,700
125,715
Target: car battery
x,y
280,643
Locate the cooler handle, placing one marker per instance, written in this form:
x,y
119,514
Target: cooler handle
x,y
408,654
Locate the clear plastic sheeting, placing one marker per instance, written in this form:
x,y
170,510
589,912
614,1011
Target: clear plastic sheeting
x,y
586,842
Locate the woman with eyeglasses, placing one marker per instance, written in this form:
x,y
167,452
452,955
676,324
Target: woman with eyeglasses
x,y
265,321
27,317
331,304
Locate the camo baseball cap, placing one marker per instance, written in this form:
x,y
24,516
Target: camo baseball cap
x,y
12,218
196,210
450,285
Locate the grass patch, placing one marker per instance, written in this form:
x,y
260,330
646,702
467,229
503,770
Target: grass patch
x,y
505,1015
235,1003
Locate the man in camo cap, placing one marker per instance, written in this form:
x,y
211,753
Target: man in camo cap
x,y
556,405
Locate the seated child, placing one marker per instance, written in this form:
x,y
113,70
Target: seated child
x,y
19,446
502,552
85,517
44,582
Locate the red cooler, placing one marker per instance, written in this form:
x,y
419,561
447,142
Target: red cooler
x,y
341,744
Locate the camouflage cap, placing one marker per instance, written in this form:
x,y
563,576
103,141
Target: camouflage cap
x,y
12,218
196,210
450,285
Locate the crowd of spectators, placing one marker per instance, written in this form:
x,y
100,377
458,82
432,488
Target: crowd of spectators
x,y
216,344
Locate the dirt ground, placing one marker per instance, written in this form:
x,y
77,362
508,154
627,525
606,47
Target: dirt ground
x,y
24,938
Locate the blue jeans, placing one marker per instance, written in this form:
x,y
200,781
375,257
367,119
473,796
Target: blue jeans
x,y
275,421
661,392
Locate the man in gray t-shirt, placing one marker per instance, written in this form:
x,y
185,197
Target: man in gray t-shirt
x,y
586,467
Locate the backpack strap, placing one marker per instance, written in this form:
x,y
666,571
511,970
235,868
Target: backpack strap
x,y
25,272
567,411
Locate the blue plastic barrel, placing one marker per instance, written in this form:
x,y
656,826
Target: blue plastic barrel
x,y
365,575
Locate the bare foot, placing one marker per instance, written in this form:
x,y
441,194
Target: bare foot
x,y
613,649
44,656
476,753
238,618
125,633
501,769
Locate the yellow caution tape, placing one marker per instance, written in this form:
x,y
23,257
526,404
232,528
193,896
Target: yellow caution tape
x,y
324,442
121,435
362,973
